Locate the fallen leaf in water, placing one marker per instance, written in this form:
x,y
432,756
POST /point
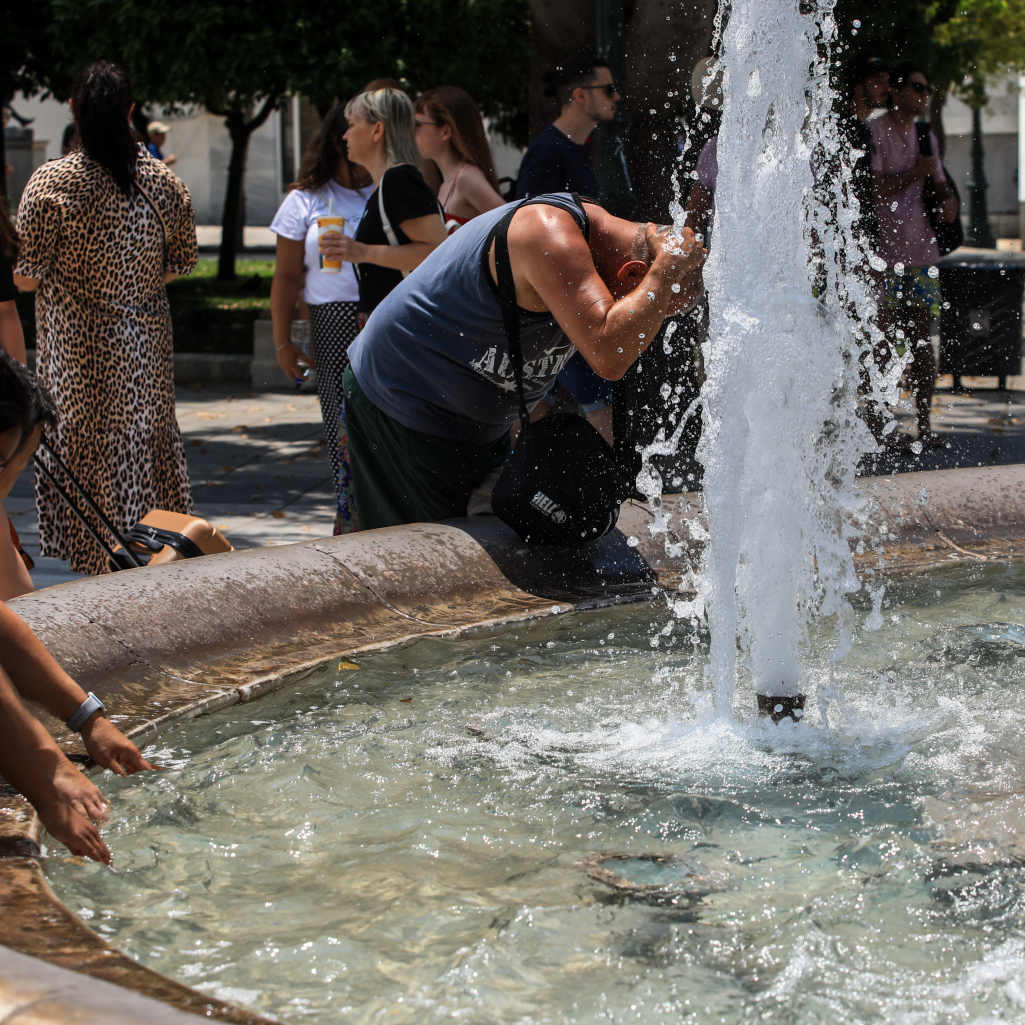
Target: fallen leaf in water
x,y
240,428
222,526
406,701
304,527
347,665
227,469
196,443
278,514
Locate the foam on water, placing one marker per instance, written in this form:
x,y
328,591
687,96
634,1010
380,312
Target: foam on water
x,y
349,850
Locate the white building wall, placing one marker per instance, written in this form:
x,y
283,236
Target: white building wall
x,y
203,147
1000,142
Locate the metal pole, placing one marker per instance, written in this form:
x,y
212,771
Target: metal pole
x,y
610,160
979,233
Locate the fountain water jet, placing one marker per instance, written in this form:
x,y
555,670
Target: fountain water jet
x,y
781,438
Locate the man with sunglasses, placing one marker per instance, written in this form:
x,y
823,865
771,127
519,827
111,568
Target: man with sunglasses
x,y
907,241
558,161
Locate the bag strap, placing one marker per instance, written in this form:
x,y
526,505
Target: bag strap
x,y
507,287
386,224
507,300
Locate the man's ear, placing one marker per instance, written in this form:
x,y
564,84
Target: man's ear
x,y
631,273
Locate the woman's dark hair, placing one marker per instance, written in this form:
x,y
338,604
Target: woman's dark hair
x,y
456,108
101,96
9,245
24,402
326,150
901,75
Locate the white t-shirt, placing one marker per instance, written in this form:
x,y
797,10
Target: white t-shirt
x,y
297,219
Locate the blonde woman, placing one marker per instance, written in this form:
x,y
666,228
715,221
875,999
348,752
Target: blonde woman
x,y
450,131
381,137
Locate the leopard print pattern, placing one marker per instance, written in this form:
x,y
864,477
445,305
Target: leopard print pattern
x,y
103,340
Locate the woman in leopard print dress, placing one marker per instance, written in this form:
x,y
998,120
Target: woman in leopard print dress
x,y
102,230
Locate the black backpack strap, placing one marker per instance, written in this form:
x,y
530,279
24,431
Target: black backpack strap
x,y
506,286
507,300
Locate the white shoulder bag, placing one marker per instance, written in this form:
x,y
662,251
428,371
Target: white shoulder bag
x,y
388,230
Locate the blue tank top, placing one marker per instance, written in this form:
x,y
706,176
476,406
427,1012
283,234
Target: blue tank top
x,y
434,355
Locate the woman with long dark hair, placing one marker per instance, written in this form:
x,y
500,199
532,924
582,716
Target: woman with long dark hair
x,y
450,131
330,187
102,231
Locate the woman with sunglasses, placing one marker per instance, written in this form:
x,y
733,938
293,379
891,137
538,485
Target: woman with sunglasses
x,y
450,131
907,241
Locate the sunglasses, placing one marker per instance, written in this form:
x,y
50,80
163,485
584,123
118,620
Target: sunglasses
x,y
609,88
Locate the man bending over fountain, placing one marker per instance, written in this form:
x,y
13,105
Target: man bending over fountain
x,y
67,802
430,392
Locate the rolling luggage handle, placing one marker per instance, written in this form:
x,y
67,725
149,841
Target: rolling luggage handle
x,y
89,501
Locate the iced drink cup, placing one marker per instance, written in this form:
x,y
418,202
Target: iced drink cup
x,y
325,225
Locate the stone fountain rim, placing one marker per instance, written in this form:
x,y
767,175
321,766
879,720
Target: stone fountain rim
x,y
170,643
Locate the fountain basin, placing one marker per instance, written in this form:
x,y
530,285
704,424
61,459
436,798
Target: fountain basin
x,y
166,645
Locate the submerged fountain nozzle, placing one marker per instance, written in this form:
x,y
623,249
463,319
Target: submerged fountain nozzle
x,y
781,708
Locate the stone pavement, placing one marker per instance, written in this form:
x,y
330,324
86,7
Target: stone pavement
x,y
259,466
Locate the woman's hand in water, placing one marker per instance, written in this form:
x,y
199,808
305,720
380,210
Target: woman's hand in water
x,y
80,791
110,748
74,830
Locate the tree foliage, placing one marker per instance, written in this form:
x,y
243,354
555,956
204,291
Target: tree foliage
x,y
961,43
237,58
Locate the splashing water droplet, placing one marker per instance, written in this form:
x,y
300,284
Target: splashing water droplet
x,y
675,286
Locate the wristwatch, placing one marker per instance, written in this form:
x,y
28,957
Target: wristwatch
x,y
86,709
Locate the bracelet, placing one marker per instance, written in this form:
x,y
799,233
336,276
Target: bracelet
x,y
278,348
86,709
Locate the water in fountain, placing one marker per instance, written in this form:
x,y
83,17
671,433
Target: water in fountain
x,y
781,435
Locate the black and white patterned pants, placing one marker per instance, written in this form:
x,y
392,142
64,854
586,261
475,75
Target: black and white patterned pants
x,y
333,327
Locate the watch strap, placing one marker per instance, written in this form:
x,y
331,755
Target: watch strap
x,y
91,704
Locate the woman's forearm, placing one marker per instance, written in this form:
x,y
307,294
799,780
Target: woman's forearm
x,y
406,257
34,671
284,292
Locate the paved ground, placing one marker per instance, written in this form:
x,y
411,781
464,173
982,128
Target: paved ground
x,y
259,465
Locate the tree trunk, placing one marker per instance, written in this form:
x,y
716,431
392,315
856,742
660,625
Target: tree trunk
x,y
239,132
658,91
233,218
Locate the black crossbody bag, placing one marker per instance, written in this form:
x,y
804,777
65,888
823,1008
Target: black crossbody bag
x,y
561,485
949,234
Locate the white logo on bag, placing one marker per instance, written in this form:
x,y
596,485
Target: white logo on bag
x,y
544,504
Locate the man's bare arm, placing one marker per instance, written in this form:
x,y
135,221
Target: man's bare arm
x,y
555,267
